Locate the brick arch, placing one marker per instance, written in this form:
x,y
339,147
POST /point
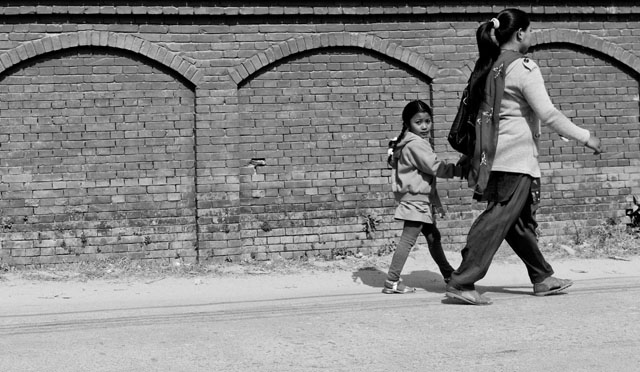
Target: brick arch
x,y
248,67
588,41
580,39
131,43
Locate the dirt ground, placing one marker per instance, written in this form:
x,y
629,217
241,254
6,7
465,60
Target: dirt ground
x,y
323,315
235,282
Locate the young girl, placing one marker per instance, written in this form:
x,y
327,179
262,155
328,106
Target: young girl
x,y
415,168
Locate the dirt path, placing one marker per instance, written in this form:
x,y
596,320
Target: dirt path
x,y
331,319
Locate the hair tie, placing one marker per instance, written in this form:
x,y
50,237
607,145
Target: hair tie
x,y
496,23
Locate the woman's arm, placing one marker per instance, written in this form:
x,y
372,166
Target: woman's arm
x,y
535,93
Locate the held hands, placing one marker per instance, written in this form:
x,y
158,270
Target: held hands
x,y
462,167
594,144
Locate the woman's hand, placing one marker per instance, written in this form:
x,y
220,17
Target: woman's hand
x,y
594,144
462,167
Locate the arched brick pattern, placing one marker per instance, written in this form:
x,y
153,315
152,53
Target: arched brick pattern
x,y
581,39
131,43
97,156
247,68
587,41
318,125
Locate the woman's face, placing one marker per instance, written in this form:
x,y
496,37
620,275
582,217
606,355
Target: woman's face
x,y
525,39
420,124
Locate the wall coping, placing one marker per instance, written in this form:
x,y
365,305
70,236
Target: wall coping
x,y
46,8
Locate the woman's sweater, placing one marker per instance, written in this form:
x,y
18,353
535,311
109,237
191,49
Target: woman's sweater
x,y
524,105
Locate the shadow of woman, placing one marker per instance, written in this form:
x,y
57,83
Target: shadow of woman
x,y
516,289
425,279
510,290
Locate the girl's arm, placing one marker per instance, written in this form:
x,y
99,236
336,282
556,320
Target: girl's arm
x,y
421,155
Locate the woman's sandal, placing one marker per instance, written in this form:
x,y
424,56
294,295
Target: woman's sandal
x,y
469,297
551,286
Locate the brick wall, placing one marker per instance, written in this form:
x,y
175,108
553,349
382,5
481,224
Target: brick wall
x,y
204,132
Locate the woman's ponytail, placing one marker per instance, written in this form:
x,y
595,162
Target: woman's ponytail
x,y
490,36
488,48
488,53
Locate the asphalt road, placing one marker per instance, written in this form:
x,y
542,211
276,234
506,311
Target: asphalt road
x,y
593,327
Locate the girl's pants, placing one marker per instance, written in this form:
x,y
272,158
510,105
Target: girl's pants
x,y
513,220
408,238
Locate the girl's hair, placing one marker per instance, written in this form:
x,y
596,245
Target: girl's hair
x,y
409,111
510,21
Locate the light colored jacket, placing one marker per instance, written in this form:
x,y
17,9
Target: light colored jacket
x,y
415,168
524,105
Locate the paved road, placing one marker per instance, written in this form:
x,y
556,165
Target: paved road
x,y
594,327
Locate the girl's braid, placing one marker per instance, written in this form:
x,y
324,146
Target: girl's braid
x,y
393,144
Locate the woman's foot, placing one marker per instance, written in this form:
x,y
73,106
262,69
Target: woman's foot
x,y
396,287
551,286
468,296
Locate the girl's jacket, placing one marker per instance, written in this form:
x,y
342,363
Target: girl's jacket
x,y
415,168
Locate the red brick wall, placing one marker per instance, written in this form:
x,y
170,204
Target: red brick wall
x,y
221,132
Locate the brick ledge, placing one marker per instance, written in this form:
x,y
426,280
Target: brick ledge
x,y
305,10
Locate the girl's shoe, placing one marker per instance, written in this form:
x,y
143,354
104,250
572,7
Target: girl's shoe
x,y
396,287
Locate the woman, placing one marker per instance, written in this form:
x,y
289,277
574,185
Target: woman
x,y
506,173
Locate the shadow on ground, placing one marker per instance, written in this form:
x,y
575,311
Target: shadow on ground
x,y
516,290
429,281
424,279
519,290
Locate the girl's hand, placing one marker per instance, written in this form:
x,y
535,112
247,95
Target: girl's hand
x,y
594,144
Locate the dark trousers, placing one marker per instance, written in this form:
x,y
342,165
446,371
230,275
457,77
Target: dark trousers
x,y
512,219
408,238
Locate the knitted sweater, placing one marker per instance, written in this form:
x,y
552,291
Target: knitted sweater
x,y
524,105
415,168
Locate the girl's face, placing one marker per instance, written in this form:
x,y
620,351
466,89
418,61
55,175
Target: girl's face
x,y
420,124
